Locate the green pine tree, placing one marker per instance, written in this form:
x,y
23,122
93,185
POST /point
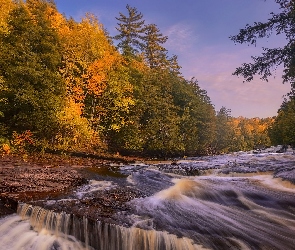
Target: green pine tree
x,y
155,53
131,28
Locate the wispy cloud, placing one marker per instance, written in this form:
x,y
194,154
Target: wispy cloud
x,y
181,38
214,73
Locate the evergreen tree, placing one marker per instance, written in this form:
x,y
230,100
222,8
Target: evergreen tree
x,y
174,67
155,53
131,28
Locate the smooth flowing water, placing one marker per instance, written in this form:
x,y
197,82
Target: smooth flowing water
x,y
225,202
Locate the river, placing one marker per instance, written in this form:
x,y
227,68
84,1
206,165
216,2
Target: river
x,y
236,201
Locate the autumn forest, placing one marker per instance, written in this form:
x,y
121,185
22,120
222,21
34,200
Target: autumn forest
x,y
66,85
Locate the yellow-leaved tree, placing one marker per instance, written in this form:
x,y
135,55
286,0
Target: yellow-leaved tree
x,y
96,76
75,132
6,7
82,43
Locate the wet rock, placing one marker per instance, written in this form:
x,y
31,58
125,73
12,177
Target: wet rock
x,y
100,205
7,206
179,169
27,181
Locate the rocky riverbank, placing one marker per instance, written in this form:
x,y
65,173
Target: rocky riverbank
x,y
36,177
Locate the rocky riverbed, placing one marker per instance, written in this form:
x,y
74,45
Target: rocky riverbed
x,y
42,177
242,200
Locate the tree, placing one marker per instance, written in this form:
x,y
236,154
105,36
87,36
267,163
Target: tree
x,y
160,122
197,115
131,28
85,46
281,23
129,139
282,130
174,67
249,133
6,7
155,53
224,131
114,104
30,58
203,114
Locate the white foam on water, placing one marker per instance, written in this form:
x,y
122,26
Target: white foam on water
x,y
182,188
239,210
130,180
17,234
226,207
94,186
275,183
40,229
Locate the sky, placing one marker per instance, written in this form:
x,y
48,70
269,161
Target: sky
x,y
198,33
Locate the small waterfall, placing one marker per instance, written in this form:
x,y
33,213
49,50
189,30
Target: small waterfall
x,y
231,208
37,228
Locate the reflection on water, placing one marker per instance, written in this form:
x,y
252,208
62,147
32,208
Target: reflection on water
x,y
106,171
238,204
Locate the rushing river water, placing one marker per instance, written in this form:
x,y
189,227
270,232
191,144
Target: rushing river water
x,y
240,201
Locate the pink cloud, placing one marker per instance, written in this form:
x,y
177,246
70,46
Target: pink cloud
x,y
214,69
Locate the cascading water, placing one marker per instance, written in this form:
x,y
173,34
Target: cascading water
x,y
38,228
37,231
235,202
224,213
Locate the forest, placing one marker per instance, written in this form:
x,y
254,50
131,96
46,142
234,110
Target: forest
x,y
68,86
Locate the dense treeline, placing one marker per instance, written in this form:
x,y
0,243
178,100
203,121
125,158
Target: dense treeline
x,y
282,131
241,134
65,85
